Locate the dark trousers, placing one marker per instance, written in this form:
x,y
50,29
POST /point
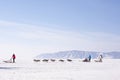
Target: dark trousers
x,y
13,60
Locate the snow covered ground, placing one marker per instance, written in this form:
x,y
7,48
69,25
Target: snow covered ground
x,y
109,69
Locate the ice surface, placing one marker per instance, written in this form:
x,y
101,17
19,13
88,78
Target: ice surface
x,y
109,69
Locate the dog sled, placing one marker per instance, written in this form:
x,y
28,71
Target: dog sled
x,y
8,61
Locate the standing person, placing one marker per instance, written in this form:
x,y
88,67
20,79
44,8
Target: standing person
x,y
89,58
100,58
13,57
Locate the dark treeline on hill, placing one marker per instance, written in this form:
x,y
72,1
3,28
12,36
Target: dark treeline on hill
x,y
75,54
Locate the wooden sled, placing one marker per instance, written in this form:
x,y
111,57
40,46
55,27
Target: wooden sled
x,y
8,61
85,60
98,60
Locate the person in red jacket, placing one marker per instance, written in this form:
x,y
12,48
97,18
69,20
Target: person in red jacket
x,y
13,57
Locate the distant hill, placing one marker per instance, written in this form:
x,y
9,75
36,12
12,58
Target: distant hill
x,y
75,54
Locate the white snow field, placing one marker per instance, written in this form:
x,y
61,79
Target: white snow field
x,y
109,69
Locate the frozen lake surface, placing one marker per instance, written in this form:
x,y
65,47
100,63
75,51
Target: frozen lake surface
x,y
109,69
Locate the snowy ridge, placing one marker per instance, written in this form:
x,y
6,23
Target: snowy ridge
x,y
75,54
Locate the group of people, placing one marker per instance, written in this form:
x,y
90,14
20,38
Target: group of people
x,y
88,59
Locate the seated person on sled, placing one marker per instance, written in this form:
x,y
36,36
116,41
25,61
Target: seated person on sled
x,y
99,59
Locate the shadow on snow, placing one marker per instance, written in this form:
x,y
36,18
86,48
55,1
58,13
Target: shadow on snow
x,y
8,68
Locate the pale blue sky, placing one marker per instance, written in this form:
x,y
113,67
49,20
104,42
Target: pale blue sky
x,y
37,26
83,15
